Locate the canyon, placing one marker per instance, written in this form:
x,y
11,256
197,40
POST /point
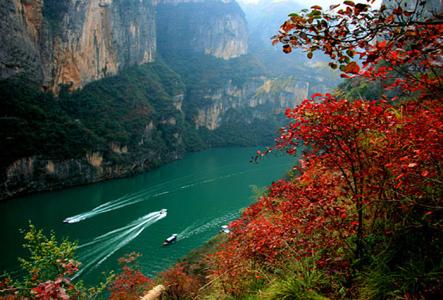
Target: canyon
x,y
120,87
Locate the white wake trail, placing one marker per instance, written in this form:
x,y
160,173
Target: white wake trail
x,y
203,227
126,200
104,246
151,192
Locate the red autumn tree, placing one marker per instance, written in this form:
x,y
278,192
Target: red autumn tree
x,y
381,151
402,46
130,283
180,284
369,170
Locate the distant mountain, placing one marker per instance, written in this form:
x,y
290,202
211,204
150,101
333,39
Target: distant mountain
x,y
264,20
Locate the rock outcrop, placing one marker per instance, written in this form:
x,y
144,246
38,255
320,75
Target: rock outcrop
x,y
74,42
213,27
262,96
53,42
155,293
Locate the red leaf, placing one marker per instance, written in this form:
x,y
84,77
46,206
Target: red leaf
x,y
287,49
350,3
316,95
352,68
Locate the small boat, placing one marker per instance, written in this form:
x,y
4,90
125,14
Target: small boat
x,y
225,229
163,211
170,240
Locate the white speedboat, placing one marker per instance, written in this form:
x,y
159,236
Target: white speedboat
x,y
163,211
170,240
225,229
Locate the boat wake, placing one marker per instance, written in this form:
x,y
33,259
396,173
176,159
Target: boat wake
x,y
126,200
95,252
133,198
154,191
196,229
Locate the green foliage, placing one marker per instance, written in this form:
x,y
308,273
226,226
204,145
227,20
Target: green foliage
x,y
360,89
192,140
46,271
414,278
46,256
257,191
116,110
408,262
291,288
34,123
119,108
298,279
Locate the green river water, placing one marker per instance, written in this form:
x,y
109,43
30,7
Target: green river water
x,y
200,192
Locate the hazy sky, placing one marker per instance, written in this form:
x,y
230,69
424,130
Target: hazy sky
x,y
307,3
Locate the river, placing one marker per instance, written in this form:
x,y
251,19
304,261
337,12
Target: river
x,y
200,192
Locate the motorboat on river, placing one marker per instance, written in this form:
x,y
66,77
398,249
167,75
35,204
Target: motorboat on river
x,y
225,229
170,240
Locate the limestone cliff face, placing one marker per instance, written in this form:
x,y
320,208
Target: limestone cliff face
x,y
213,27
74,42
262,96
101,38
35,174
20,27
55,42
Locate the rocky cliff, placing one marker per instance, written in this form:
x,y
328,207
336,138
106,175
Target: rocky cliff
x,y
57,42
213,27
262,96
98,38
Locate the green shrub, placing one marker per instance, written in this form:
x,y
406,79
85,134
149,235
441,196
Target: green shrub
x,y
46,272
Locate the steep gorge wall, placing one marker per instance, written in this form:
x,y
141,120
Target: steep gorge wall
x,y
55,42
20,26
262,96
212,27
100,38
